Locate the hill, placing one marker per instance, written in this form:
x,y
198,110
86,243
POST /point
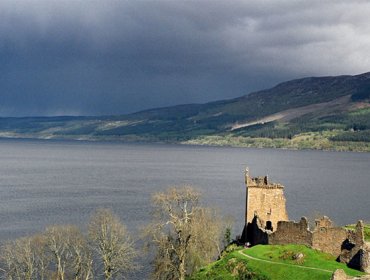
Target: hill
x,y
316,112
273,262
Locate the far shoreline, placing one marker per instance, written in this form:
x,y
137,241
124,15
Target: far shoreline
x,y
190,143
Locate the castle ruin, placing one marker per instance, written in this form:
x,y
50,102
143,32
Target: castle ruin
x,y
265,200
266,222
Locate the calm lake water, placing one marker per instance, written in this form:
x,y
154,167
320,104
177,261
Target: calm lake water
x,y
61,182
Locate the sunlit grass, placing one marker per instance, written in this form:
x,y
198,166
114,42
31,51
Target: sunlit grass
x,y
283,266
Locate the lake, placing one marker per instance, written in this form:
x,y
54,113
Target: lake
x,y
62,182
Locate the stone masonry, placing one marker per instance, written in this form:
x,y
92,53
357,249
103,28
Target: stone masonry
x,y
266,222
265,200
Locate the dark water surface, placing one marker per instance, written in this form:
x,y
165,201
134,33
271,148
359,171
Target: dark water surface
x,y
59,182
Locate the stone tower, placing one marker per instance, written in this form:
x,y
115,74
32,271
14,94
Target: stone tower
x,y
265,200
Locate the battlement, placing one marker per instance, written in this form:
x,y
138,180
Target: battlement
x,y
260,182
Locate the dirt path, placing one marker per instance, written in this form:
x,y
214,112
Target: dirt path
x,y
285,264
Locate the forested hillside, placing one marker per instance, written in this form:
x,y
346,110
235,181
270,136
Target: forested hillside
x,y
316,112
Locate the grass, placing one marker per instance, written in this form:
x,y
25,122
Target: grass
x,y
312,258
231,266
236,266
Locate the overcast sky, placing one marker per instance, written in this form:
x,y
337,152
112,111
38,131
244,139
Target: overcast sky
x,y
112,57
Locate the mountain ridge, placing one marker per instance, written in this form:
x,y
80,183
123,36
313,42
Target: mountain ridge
x,y
310,102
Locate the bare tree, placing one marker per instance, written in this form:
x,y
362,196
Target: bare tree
x,y
19,259
25,258
63,252
58,246
42,257
71,256
112,244
183,233
82,262
208,230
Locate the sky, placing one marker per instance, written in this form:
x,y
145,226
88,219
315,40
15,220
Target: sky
x,y
108,57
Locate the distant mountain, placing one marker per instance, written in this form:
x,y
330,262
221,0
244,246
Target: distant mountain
x,y
316,112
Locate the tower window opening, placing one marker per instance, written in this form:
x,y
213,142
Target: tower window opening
x,y
269,225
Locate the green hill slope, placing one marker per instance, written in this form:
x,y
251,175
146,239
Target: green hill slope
x,y
322,113
274,262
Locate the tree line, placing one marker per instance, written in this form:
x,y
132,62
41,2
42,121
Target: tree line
x,y
182,237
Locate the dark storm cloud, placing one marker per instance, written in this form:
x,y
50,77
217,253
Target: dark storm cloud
x,y
109,57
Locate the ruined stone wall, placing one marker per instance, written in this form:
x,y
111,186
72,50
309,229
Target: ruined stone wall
x,y
356,253
329,240
266,222
290,232
325,237
256,234
266,200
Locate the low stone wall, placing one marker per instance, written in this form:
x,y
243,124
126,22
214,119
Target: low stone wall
x,y
291,233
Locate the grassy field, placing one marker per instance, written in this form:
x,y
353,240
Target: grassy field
x,y
274,262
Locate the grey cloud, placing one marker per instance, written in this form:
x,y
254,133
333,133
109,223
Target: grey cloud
x,y
111,57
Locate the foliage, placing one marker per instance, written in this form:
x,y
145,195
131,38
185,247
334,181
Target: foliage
x,y
317,140
177,234
362,92
227,236
353,136
354,126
